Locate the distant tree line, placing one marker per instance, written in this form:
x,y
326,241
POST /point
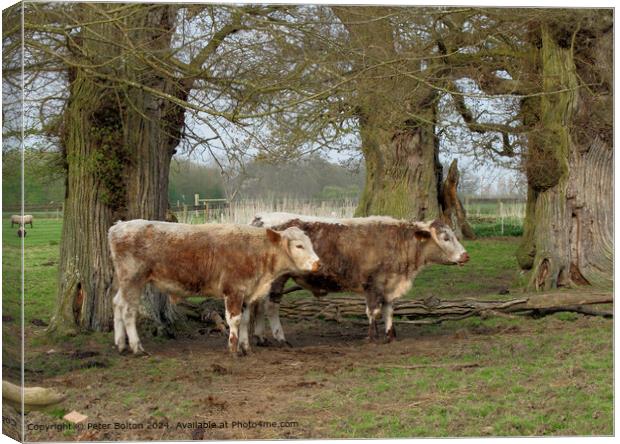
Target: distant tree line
x,y
308,178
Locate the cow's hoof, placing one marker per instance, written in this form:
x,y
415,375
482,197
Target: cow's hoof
x,y
262,342
140,353
123,351
246,349
138,350
389,339
371,339
240,353
390,335
283,343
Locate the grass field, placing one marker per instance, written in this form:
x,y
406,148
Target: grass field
x,y
548,376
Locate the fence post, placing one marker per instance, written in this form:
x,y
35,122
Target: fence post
x,y
501,215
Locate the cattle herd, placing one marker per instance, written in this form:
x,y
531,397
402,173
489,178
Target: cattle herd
x,y
249,265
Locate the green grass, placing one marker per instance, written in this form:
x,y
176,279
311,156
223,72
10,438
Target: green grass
x,y
492,265
41,254
557,382
496,228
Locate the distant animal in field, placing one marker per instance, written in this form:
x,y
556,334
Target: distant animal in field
x,y
21,232
21,220
236,262
377,257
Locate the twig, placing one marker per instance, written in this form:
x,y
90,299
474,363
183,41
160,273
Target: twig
x,y
418,366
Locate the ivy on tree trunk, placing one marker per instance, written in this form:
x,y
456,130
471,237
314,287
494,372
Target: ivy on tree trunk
x,y
569,217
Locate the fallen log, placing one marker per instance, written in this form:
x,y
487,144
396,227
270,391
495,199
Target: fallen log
x,y
33,396
433,310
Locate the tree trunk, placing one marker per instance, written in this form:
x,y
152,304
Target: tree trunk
x,y
453,212
569,225
403,172
396,116
85,281
118,144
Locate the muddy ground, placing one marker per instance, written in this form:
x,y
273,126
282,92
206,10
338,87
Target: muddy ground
x,y
298,392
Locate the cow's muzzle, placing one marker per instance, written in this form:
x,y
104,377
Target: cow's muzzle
x,y
316,266
464,258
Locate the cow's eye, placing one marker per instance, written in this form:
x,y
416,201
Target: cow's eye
x,y
300,247
446,238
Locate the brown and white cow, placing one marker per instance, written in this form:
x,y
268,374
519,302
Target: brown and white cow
x,y
376,256
236,262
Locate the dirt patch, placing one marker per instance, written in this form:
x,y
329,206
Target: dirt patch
x,y
193,388
219,370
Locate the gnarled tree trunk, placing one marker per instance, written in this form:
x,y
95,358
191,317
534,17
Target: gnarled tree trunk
x,y
403,172
396,115
118,142
569,225
453,212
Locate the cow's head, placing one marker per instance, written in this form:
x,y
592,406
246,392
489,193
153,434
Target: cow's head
x,y
298,247
440,244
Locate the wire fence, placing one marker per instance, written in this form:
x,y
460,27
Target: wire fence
x,y
503,213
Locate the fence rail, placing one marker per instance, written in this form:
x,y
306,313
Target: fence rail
x,y
508,211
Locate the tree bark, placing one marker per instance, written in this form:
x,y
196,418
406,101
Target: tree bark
x,y
569,224
397,115
118,142
454,213
403,171
85,271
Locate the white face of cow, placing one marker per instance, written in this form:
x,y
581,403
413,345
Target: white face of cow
x,y
446,248
300,250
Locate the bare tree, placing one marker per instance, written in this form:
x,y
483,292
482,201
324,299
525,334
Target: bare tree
x,y
131,73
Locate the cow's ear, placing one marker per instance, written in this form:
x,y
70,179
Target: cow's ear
x,y
422,234
273,236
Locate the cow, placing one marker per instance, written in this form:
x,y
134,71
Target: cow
x,y
21,232
377,257
21,220
235,262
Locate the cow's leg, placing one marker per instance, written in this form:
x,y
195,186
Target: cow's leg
x,y
273,314
233,304
129,311
244,340
271,307
259,322
388,315
373,312
120,334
